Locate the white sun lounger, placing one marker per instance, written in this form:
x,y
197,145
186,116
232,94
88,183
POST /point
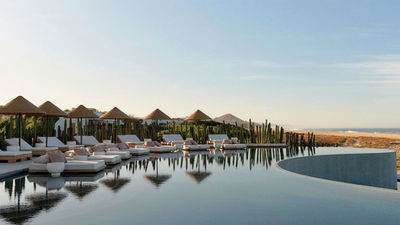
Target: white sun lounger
x,y
177,138
91,141
55,142
174,139
72,166
131,140
137,150
36,151
217,139
108,159
115,151
86,140
14,156
158,149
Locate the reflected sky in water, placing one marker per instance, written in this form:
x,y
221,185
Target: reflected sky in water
x,y
231,187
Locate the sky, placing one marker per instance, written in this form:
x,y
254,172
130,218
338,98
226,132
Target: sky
x,y
301,64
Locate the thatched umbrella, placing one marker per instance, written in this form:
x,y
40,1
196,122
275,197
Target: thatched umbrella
x,y
80,113
115,114
51,111
20,106
157,115
198,116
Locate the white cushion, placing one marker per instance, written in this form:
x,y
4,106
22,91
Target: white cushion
x,y
217,137
40,145
172,137
81,157
87,140
72,166
139,151
15,142
233,146
12,148
129,138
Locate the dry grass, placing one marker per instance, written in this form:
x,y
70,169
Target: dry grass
x,y
359,140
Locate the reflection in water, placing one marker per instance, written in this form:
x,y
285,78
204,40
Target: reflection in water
x,y
81,189
21,213
46,200
45,192
157,180
116,182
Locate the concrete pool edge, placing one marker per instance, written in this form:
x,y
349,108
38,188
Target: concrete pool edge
x,y
373,168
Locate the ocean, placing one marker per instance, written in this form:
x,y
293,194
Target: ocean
x,y
359,130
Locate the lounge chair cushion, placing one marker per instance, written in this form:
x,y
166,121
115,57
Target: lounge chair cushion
x,y
108,159
227,141
69,153
14,153
123,154
42,159
81,152
187,142
139,150
122,146
163,148
233,146
217,137
98,148
72,166
57,157
130,138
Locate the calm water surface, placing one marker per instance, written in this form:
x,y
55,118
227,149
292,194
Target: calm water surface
x,y
242,187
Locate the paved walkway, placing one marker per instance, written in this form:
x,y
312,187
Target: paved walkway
x,y
10,169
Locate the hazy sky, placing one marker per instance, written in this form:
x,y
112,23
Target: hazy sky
x,y
298,63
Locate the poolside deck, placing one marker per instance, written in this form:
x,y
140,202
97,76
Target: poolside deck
x,y
267,145
10,169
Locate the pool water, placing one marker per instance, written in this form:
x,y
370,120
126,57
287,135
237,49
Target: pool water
x,y
234,187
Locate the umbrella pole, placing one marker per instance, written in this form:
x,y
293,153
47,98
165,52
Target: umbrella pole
x,y
81,129
19,129
47,130
115,131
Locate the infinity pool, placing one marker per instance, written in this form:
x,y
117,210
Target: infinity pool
x,y
237,187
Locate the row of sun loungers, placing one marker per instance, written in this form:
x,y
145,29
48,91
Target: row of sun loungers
x,y
114,153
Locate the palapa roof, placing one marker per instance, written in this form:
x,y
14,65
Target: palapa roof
x,y
82,112
198,116
20,105
115,113
51,110
157,115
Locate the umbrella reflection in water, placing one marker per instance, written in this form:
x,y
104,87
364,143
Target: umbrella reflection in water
x,y
157,179
18,213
